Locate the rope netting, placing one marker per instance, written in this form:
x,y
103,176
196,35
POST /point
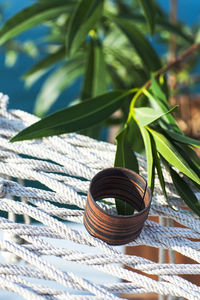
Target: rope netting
x,y
47,255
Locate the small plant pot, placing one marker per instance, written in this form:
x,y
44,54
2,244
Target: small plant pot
x,y
125,185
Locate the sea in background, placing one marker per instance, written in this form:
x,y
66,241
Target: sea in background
x,y
10,78
24,98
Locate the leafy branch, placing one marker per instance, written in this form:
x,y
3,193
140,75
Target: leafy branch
x,y
106,43
160,133
174,63
163,140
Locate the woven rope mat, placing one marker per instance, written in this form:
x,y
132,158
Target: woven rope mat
x,y
47,254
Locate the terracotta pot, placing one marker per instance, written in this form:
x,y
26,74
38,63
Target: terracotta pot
x,y
125,185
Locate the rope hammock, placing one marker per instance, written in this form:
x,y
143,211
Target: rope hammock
x,y
49,255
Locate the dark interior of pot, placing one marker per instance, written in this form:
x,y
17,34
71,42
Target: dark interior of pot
x,y
121,184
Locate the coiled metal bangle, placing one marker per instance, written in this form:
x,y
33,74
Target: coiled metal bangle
x,y
125,185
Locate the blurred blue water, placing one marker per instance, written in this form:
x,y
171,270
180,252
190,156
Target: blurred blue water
x,y
10,78
10,82
188,11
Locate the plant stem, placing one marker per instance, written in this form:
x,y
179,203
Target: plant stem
x,y
174,63
162,71
172,78
173,20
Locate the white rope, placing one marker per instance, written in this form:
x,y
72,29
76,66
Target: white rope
x,y
6,284
64,166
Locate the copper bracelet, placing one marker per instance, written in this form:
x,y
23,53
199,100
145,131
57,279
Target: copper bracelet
x,y
125,185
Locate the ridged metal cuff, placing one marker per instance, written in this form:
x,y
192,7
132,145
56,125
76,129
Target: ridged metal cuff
x,y
125,185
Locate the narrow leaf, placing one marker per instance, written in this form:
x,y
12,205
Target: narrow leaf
x,y
32,16
95,73
134,136
183,139
185,192
168,120
143,48
125,158
115,78
176,29
169,152
157,91
149,155
189,155
11,57
147,115
162,24
138,73
94,80
55,84
84,18
76,117
157,163
43,66
149,12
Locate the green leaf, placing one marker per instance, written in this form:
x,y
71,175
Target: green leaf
x,y
11,57
125,157
94,80
169,152
167,121
135,137
55,84
43,66
149,155
162,24
147,115
189,155
185,192
157,91
84,18
183,139
187,152
76,117
157,163
149,12
143,48
95,74
116,79
193,157
176,29
32,16
139,74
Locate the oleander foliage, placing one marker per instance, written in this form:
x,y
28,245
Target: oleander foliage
x,y
109,45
